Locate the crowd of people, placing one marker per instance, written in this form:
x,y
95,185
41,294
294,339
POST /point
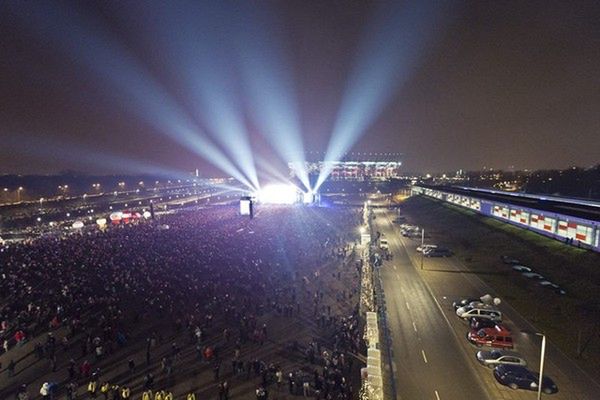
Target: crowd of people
x,y
182,306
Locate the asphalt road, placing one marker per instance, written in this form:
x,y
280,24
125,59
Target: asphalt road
x,y
432,358
428,361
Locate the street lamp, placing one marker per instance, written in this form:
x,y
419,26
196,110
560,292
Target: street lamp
x,y
542,358
19,194
543,354
422,244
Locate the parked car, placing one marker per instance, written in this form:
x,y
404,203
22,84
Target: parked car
x,y
521,268
509,260
552,286
437,252
518,377
479,311
480,323
383,244
411,232
464,302
533,275
498,336
494,358
426,247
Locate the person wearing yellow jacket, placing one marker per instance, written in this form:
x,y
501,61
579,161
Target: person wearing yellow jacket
x,y
190,396
147,395
92,389
104,388
159,395
168,396
125,393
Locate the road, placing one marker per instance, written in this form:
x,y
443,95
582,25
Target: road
x,y
429,362
431,355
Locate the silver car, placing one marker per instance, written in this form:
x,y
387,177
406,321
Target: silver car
x,y
496,357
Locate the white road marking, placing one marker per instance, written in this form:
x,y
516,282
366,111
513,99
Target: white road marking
x,y
414,326
437,396
398,276
395,267
407,305
424,356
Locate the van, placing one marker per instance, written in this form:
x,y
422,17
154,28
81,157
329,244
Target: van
x,y
479,311
497,336
383,244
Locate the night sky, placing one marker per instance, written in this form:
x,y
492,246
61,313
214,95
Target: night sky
x,y
499,84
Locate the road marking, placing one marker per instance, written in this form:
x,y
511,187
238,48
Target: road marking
x,y
424,356
395,267
414,326
437,396
398,276
407,305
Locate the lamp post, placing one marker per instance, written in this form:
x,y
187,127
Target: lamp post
x,y
422,244
543,354
19,194
542,358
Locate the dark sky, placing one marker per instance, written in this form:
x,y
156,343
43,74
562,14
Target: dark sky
x,y
501,84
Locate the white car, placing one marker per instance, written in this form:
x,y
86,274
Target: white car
x,y
496,357
425,247
479,310
383,244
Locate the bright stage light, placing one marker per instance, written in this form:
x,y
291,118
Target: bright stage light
x,y
278,194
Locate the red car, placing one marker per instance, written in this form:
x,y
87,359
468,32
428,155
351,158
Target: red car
x,y
497,336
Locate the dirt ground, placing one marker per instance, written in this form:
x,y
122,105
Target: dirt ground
x,y
571,320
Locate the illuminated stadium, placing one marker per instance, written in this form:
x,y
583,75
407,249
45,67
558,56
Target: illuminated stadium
x,y
356,167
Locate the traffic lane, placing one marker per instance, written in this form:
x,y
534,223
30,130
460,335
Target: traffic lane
x,y
436,363
409,369
443,278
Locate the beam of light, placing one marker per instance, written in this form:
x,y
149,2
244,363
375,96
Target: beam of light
x,y
88,44
392,47
186,34
46,148
267,169
269,86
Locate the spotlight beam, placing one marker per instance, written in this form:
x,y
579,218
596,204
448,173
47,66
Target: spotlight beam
x,y
392,47
208,82
269,85
43,147
89,44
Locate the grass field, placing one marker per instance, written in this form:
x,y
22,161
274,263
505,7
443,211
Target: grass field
x,y
572,321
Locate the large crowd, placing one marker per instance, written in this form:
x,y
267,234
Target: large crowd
x,y
135,310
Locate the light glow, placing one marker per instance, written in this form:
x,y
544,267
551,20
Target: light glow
x,y
278,194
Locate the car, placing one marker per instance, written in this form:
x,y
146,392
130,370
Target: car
x,y
494,358
479,311
519,377
521,268
480,323
533,275
424,247
437,252
509,260
464,302
383,244
498,336
413,232
553,286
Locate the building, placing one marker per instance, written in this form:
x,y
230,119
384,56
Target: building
x,y
569,220
356,166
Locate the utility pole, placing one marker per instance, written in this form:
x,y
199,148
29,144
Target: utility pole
x,y
422,244
539,396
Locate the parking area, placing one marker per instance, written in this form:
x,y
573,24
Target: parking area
x,y
450,279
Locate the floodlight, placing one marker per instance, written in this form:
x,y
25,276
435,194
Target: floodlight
x,y
278,194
